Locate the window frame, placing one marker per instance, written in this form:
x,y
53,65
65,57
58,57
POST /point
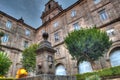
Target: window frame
x,y
9,24
42,31
96,1
110,32
55,24
83,67
60,70
5,38
73,13
56,36
26,42
103,15
76,26
57,51
27,32
113,58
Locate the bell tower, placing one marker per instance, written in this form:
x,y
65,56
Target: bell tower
x,y
52,8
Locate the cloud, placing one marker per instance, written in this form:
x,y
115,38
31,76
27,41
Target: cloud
x,y
30,10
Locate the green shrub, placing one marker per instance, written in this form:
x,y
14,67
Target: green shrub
x,y
93,77
113,71
5,63
8,79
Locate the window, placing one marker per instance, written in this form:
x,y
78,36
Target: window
x,y
76,26
0,21
5,38
27,32
85,67
96,1
25,44
60,70
110,32
57,51
42,31
49,6
56,36
8,24
103,15
20,30
50,59
115,58
56,24
73,13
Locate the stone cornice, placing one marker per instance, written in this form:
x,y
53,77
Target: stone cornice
x,y
8,47
17,20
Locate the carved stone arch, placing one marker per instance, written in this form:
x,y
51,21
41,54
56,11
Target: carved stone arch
x,y
59,64
60,69
114,47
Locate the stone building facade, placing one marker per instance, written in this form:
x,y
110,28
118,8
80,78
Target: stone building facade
x,y
18,36
58,22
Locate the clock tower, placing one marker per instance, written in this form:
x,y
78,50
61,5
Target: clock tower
x,y
52,8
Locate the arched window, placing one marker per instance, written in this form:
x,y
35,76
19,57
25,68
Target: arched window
x,y
85,67
60,70
115,58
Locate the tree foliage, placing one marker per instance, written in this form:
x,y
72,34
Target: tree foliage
x,y
29,58
1,35
5,63
87,44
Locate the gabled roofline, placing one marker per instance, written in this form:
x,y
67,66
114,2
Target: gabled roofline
x,y
17,20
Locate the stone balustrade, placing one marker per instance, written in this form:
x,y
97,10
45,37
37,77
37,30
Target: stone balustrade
x,y
49,77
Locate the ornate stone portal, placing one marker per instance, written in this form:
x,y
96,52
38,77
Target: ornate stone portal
x,y
45,57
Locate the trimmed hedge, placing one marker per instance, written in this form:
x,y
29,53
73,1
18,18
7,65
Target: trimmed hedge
x,y
113,71
7,78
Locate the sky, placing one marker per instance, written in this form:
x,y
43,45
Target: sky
x,y
29,10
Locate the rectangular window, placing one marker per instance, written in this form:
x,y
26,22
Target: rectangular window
x,y
42,31
25,44
20,30
55,24
73,13
8,24
56,37
27,32
110,32
96,1
76,26
58,51
5,38
103,15
0,23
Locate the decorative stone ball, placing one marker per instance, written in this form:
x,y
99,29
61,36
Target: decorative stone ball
x,y
45,36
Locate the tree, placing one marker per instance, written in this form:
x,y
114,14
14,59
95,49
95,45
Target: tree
x,y
93,77
5,63
87,44
1,35
29,58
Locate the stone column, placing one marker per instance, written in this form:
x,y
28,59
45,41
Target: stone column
x,y
45,57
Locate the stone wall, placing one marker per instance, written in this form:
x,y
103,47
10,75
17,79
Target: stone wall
x,y
49,77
